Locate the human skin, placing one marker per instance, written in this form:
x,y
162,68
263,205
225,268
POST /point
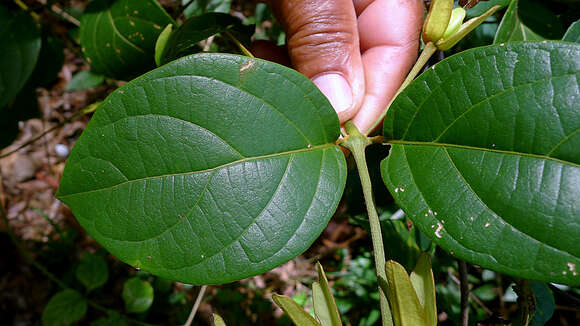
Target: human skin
x,y
358,52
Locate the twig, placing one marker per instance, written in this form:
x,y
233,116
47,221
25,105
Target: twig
x,y
45,144
208,43
472,296
84,111
65,15
464,289
356,143
239,44
195,306
24,7
566,308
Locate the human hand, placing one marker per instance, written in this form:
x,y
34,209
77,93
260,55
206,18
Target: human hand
x,y
358,52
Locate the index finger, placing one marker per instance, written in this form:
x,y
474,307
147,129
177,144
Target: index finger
x,y
389,32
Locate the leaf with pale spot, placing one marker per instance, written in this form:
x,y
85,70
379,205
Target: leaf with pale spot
x,y
118,37
197,172
485,157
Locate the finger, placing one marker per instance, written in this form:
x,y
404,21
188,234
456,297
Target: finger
x,y
389,39
323,44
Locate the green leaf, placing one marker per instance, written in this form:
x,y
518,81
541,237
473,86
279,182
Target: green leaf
x,y
481,7
545,304
20,39
184,40
424,285
200,7
464,29
573,33
324,304
528,20
485,292
197,172
218,320
118,37
162,43
64,308
512,29
405,305
321,309
294,311
402,242
92,271
485,157
50,61
112,320
137,295
84,80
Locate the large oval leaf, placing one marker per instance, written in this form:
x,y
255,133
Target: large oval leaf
x,y
118,37
485,157
20,41
209,169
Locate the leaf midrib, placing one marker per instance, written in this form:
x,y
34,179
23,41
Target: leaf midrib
x,y
247,159
473,106
121,36
492,150
496,95
408,163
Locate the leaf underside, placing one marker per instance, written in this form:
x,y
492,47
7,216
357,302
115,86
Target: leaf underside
x,y
485,157
118,37
197,172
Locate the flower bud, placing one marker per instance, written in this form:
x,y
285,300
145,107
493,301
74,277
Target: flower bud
x,y
437,20
457,16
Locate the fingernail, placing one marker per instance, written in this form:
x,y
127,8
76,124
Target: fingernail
x,y
336,89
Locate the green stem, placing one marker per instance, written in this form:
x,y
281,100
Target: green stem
x,y
24,7
427,52
239,44
356,143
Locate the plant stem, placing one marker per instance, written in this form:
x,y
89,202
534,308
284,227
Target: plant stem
x,y
473,296
427,52
24,7
239,44
195,306
464,290
65,15
356,143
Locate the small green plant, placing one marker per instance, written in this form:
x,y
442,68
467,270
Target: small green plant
x,y
216,167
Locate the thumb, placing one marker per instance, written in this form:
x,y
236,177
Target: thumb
x,y
323,44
